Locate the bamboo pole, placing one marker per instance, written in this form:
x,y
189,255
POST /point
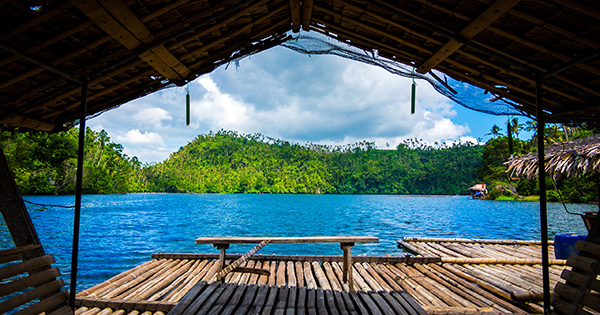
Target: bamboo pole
x,y
240,260
335,284
496,261
311,283
472,240
320,275
291,275
299,273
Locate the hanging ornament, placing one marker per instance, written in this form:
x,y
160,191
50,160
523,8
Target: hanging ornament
x,y
187,105
510,138
413,94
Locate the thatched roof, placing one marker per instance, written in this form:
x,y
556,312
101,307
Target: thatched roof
x,y
578,157
126,49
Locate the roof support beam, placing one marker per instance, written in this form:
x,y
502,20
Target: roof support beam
x,y
571,64
40,63
117,20
295,14
26,122
489,16
307,8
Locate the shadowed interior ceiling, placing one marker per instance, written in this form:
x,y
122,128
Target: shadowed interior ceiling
x,y
125,49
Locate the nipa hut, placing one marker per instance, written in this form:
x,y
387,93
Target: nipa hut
x,y
564,159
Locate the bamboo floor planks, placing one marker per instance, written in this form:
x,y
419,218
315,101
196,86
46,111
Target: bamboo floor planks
x,y
156,286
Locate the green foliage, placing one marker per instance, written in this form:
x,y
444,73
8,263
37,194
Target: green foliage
x,y
45,163
496,152
227,162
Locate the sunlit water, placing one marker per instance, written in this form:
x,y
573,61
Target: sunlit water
x,y
121,231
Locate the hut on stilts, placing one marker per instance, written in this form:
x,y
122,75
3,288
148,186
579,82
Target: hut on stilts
x,y
62,61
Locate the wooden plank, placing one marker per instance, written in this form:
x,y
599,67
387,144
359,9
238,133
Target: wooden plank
x,y
47,303
307,8
395,305
282,298
384,306
311,301
270,301
189,298
320,301
224,298
339,302
277,240
292,301
369,303
8,254
26,266
260,300
121,12
29,281
14,211
301,301
295,14
212,299
153,306
330,301
348,303
582,280
587,247
405,299
489,16
159,65
200,300
31,295
246,302
170,60
95,12
358,303
584,263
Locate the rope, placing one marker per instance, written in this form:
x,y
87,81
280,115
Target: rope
x,y
48,205
561,198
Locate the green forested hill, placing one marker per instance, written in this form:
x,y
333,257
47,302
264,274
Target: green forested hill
x,y
227,162
231,163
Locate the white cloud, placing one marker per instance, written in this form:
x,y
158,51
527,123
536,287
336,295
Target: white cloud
x,y
135,137
152,115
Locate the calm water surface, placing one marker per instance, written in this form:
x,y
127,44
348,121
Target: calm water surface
x,y
121,231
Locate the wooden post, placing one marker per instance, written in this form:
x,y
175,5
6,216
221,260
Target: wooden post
x,y
542,182
78,192
14,211
223,248
347,266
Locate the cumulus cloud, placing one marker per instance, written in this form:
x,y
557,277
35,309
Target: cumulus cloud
x,y
283,94
152,115
134,136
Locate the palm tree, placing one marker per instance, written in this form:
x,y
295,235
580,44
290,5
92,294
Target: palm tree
x,y
515,127
495,131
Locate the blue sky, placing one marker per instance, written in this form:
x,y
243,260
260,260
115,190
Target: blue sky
x,y
283,94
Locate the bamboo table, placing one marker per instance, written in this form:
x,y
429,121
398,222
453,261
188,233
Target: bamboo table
x,y
222,243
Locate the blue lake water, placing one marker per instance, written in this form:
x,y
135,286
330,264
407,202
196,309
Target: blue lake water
x,y
121,231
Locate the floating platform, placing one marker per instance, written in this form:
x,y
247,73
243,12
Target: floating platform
x,y
446,277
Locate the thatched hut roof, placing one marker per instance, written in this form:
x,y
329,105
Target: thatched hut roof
x,y
577,157
126,49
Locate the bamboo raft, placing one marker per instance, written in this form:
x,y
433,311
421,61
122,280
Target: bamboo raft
x,y
156,286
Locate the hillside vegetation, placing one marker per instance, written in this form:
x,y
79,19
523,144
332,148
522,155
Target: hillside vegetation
x,y
228,162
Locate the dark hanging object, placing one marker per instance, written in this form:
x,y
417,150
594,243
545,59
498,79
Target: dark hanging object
x,y
187,106
510,139
413,96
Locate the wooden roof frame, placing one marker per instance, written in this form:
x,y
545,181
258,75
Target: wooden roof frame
x,y
126,49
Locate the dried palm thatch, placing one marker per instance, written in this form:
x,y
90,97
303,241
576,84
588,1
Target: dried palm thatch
x,y
569,159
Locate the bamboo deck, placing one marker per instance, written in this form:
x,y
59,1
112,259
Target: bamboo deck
x,y
489,278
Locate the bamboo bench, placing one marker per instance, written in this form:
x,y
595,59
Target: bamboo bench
x,y
580,294
222,243
35,273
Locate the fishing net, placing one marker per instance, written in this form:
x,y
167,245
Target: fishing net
x,y
466,95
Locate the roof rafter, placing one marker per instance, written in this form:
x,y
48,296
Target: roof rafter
x,y
489,16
